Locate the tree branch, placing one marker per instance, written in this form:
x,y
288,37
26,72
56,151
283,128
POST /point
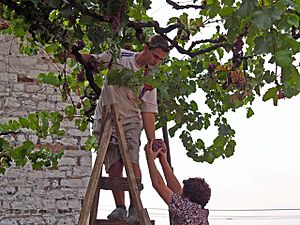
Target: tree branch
x,y
296,36
177,6
174,43
88,70
154,24
194,43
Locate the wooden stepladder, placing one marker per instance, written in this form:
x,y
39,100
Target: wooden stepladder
x,y
97,182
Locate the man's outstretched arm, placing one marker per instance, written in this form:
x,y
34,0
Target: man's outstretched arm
x,y
149,124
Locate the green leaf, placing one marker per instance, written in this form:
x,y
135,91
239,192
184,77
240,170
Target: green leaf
x,y
291,81
226,11
172,20
50,78
66,11
220,141
262,20
200,144
276,13
21,151
113,6
99,80
54,128
271,93
24,122
183,18
33,121
146,4
54,3
52,48
78,32
85,20
228,2
250,112
60,133
210,2
283,58
261,45
20,28
91,143
14,125
37,165
293,20
21,161
70,112
269,76
229,149
247,7
297,5
224,130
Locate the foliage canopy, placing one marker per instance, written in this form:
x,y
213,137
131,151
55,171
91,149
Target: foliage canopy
x,y
230,67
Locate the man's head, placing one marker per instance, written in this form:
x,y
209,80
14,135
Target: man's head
x,y
196,190
155,51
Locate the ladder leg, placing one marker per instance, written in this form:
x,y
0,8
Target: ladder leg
x,y
135,193
94,209
96,172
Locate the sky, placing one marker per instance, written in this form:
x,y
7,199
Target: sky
x,y
259,184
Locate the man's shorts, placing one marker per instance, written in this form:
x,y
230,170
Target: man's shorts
x,y
132,135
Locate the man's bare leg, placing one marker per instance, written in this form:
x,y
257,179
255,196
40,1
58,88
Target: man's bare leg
x,y
116,170
120,212
133,214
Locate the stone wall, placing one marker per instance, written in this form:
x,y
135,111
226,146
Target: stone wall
x,y
45,196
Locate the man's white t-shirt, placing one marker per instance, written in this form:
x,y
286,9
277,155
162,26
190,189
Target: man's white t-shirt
x,y
130,106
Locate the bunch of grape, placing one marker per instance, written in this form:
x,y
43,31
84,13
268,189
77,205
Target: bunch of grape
x,y
157,144
280,94
116,24
80,76
211,68
4,25
238,45
135,84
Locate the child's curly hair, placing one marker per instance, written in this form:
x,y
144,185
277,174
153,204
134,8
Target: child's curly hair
x,y
197,190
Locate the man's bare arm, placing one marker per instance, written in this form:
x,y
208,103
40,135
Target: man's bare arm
x,y
149,124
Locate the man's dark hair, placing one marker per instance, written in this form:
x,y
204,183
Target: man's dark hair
x,y
197,190
157,41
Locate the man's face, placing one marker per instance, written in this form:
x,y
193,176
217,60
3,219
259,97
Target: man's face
x,y
154,56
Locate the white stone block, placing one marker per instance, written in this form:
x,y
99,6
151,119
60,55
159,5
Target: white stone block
x,y
55,194
54,174
71,183
17,205
12,102
48,204
86,161
67,161
19,87
33,88
77,153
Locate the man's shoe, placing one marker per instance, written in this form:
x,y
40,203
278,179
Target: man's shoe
x,y
133,216
118,213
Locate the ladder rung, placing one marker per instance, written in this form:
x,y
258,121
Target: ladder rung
x,y
107,222
117,183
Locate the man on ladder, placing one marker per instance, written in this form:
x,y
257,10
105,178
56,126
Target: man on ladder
x,y
136,112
